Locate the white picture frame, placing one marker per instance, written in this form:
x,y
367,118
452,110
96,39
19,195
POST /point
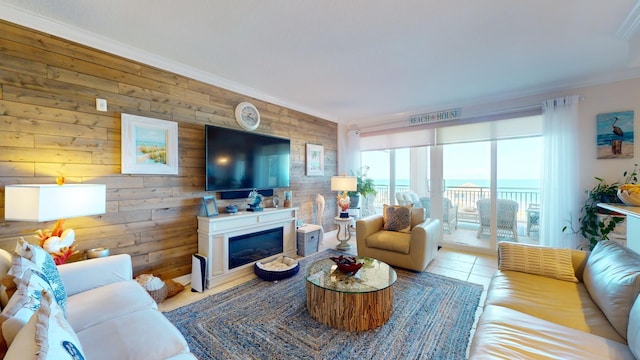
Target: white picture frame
x,y
315,160
149,146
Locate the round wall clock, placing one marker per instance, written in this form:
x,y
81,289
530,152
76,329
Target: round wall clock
x,y
247,116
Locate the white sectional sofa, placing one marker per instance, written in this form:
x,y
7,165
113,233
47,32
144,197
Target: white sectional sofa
x,y
546,303
111,314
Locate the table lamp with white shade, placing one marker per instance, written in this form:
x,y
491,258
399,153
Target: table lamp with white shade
x,y
343,184
45,202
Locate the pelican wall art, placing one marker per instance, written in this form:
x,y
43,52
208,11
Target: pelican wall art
x,y
615,135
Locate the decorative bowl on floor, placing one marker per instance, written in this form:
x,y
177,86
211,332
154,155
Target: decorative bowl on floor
x,y
629,198
347,264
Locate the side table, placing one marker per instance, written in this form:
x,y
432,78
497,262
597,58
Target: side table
x,y
343,225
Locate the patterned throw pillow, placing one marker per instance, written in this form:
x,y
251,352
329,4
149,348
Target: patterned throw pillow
x,y
397,218
538,260
24,303
19,266
47,335
44,262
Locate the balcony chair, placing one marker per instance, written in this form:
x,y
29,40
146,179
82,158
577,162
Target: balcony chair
x,y
407,198
368,205
533,218
507,218
449,213
411,250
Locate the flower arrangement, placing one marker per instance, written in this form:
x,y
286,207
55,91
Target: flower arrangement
x,y
58,242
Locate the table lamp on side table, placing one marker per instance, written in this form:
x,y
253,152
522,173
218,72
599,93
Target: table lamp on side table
x,y
37,203
342,184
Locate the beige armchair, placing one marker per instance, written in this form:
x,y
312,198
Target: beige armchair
x,y
412,251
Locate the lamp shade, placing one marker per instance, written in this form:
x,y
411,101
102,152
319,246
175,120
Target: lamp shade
x,y
35,202
344,183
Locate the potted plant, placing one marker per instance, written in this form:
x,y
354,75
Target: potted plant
x,y
365,186
597,223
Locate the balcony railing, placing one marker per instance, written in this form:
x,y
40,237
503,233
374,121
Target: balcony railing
x,y
466,196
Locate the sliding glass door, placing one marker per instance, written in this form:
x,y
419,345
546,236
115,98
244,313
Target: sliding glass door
x,y
467,174
480,179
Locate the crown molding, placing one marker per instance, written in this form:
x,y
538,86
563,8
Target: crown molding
x,y
65,31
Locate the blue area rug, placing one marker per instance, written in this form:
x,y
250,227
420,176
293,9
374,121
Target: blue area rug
x,y
431,319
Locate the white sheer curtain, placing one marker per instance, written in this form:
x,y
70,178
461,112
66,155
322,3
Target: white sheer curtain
x,y
560,197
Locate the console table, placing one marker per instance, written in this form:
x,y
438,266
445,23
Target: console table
x,y
214,233
633,222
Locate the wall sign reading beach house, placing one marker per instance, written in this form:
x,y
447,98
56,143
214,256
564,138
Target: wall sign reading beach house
x,y
614,135
149,146
451,114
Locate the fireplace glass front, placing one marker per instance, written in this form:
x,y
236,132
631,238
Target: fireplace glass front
x,y
248,248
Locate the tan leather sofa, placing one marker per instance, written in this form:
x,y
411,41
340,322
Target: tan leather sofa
x,y
546,303
413,251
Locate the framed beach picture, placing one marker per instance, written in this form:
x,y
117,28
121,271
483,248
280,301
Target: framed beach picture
x,y
149,146
315,160
210,205
614,135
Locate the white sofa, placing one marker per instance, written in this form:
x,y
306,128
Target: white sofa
x,y
112,315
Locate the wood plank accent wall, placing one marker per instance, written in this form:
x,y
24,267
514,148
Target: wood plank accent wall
x,y
49,127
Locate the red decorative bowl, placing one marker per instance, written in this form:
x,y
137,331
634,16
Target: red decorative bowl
x,y
347,264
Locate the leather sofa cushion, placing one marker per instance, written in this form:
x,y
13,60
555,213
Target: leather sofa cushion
x,y
612,276
562,302
504,333
390,240
538,260
633,331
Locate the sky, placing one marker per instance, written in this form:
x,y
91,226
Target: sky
x,y
517,159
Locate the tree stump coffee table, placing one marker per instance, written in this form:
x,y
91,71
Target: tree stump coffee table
x,y
360,302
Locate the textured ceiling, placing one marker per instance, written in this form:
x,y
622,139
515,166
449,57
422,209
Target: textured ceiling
x,y
359,60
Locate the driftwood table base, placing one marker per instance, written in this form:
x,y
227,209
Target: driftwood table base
x,y
347,301
350,311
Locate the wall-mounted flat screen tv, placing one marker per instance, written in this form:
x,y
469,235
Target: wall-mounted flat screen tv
x,y
240,160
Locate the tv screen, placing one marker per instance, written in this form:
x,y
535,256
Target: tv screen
x,y
239,160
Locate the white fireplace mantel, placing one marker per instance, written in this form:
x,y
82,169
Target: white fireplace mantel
x,y
214,233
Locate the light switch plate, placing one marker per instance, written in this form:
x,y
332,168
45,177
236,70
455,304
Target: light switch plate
x,y
101,104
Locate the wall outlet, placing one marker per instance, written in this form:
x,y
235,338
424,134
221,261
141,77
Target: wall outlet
x,y
101,104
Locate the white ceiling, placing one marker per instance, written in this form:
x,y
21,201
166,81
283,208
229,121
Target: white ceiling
x,y
359,60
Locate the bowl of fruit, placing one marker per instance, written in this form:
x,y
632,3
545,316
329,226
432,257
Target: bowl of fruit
x,y
630,194
347,264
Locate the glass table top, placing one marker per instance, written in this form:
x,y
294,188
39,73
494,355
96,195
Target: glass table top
x,y
374,275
